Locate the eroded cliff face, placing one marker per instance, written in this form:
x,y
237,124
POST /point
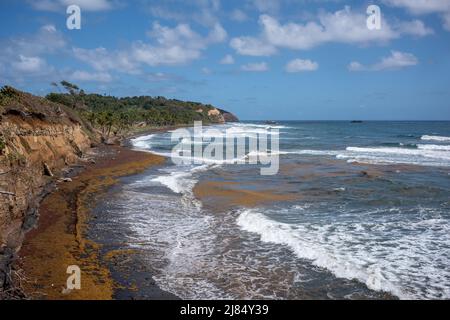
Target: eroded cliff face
x,y
37,140
228,116
221,116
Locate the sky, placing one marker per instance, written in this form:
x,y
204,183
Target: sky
x,y
260,59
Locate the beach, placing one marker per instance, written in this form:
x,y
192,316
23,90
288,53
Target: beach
x,y
59,240
332,224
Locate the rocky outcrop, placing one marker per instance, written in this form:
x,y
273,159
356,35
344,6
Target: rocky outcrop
x,y
221,116
228,116
37,140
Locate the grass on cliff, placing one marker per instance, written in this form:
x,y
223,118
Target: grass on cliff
x,y
106,115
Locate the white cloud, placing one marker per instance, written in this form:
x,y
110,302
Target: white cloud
x,y
447,21
267,5
356,66
29,64
250,46
157,56
217,35
420,7
175,46
299,65
22,57
397,60
103,60
414,28
46,40
228,59
343,26
161,77
255,67
238,15
91,76
204,12
60,5
206,71
170,46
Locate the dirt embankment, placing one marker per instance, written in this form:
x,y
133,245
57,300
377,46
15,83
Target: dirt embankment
x,y
37,140
59,240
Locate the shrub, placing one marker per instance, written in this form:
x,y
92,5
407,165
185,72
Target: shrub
x,y
7,95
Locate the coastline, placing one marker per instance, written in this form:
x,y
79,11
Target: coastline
x,y
74,215
60,236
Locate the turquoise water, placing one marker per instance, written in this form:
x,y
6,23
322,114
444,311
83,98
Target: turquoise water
x,y
369,218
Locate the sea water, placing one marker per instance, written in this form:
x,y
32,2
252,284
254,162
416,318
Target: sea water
x,y
369,216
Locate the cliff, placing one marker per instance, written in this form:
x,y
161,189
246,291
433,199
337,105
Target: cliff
x,y
228,116
38,139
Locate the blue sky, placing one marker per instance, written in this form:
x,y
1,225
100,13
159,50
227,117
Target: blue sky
x,y
261,59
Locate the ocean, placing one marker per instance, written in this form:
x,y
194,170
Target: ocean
x,y
356,211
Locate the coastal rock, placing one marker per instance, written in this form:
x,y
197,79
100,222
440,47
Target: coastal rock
x,y
48,171
221,116
228,116
40,138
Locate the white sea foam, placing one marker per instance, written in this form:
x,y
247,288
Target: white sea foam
x,y
191,250
434,147
312,152
406,258
432,153
143,142
436,138
421,156
181,181
202,265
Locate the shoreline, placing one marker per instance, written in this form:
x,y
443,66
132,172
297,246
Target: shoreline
x,y
59,238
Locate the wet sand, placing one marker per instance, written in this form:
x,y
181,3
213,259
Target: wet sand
x,y
224,195
59,240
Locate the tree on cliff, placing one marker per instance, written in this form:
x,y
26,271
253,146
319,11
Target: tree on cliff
x,y
76,94
113,115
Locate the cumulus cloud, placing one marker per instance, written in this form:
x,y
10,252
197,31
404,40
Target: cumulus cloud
x,y
175,46
267,5
46,40
170,46
255,67
204,12
228,59
397,60
250,46
103,60
420,7
29,64
299,65
23,56
343,26
91,76
238,15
